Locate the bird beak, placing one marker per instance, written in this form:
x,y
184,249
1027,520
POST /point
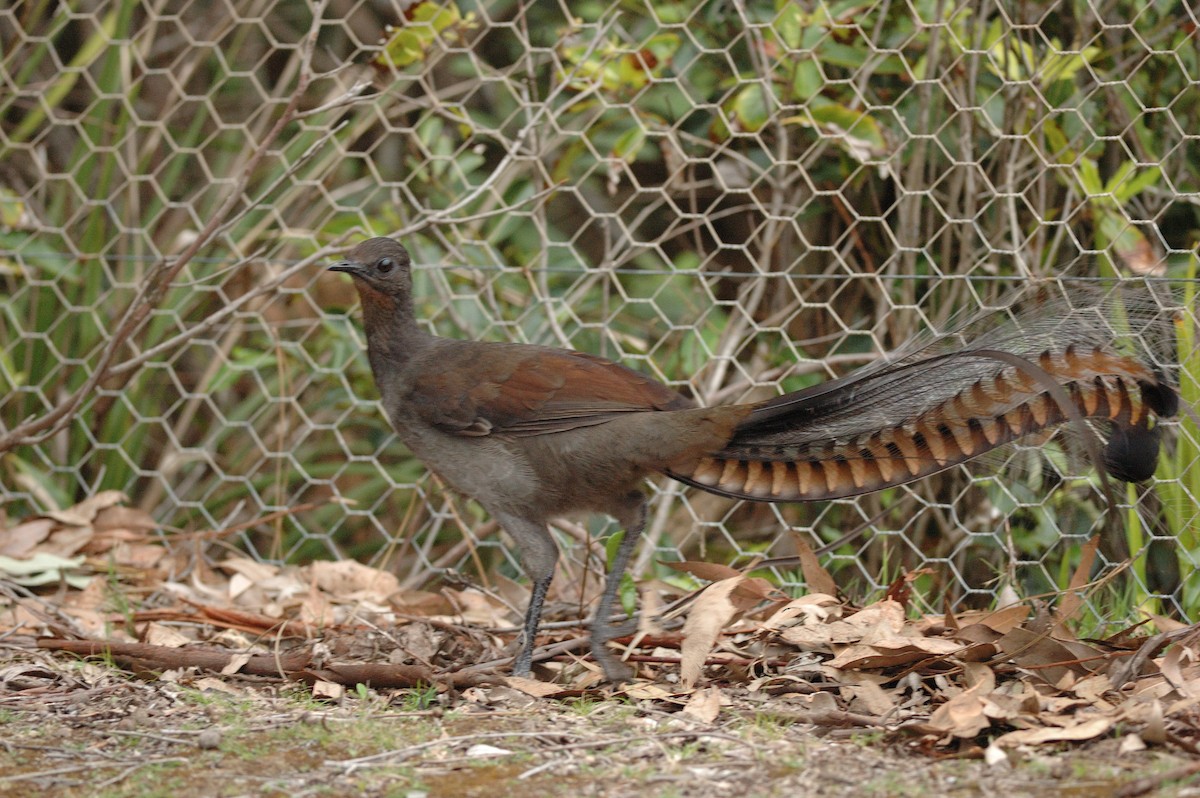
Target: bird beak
x,y
348,266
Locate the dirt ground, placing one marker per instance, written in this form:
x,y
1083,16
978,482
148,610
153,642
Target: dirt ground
x,y
84,728
247,678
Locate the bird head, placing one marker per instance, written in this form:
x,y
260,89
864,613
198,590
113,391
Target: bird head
x,y
380,265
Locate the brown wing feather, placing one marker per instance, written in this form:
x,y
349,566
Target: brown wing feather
x,y
546,391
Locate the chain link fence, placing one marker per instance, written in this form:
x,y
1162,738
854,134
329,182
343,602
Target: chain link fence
x,y
739,198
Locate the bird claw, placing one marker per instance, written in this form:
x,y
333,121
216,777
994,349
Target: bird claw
x,y
615,669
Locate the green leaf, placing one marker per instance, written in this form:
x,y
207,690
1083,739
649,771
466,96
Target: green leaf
x,y
629,143
856,123
612,545
855,132
750,107
1123,238
789,24
12,208
1089,177
409,44
1060,148
1062,66
1128,187
843,55
44,568
807,81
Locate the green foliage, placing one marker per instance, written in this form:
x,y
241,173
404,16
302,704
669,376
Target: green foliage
x,y
425,22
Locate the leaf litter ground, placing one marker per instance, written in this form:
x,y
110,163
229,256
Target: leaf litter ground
x,y
130,667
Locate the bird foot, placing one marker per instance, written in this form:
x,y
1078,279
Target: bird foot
x,y
615,670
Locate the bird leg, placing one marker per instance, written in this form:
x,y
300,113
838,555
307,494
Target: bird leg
x,y
539,556
602,628
533,616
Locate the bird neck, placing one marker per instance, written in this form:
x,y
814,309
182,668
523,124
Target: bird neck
x,y
393,335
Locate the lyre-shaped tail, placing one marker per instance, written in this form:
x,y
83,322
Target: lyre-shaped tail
x,y
1010,375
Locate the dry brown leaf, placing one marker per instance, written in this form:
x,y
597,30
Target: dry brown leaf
x,y
1005,619
816,578
868,697
1044,656
1071,601
206,684
963,716
1083,730
420,602
1172,665
1092,689
877,622
139,556
979,677
1131,744
235,664
67,541
755,590
82,514
19,616
704,705
977,652
708,571
883,620
351,580
238,585
253,570
973,710
810,610
317,610
327,691
896,651
1155,729
1154,686
1014,708
647,691
978,634
900,589
648,618
707,616
823,701
474,607
1145,712
123,523
1166,624
20,541
89,609
533,687
159,635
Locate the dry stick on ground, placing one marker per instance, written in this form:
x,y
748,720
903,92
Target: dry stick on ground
x,y
298,665
91,767
1153,783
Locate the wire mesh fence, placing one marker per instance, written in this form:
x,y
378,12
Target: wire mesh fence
x,y
738,198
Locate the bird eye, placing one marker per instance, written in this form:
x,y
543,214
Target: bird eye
x,y
384,265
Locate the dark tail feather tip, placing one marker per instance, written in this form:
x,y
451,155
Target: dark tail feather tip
x,y
1161,398
1132,453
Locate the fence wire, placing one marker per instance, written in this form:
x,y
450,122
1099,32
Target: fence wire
x,y
738,198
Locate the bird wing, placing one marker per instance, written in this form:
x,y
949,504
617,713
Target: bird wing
x,y
519,390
